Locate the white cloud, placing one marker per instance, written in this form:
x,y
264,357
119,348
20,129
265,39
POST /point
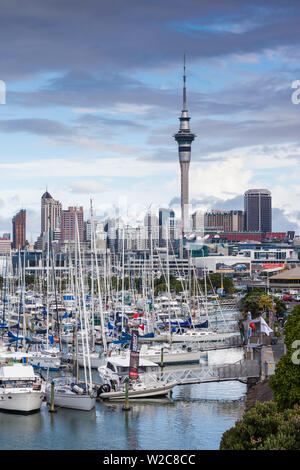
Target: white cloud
x,y
222,180
87,187
85,110
82,167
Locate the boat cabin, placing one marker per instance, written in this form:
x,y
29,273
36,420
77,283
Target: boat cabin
x,y
120,366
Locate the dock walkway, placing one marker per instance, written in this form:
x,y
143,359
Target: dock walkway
x,y
238,371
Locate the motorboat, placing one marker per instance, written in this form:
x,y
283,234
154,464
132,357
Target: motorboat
x,y
115,373
115,368
140,388
68,393
21,389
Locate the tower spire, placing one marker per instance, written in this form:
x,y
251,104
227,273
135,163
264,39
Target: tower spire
x,y
184,85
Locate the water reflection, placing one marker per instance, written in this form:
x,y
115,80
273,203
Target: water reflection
x,y
195,418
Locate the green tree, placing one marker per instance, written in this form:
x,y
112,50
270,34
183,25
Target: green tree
x,y
216,280
285,383
258,301
29,279
265,427
160,285
250,303
281,307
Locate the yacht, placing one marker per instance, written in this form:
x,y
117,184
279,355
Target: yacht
x,y
21,389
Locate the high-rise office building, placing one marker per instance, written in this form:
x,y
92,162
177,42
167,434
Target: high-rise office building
x,y
50,213
166,218
69,219
19,230
184,138
152,229
258,210
198,219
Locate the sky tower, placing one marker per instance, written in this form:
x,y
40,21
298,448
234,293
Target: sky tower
x,y
184,138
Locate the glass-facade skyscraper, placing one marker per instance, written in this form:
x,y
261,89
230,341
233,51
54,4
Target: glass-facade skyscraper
x,y
258,210
166,218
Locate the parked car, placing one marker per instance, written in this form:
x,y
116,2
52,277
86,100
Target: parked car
x,y
288,298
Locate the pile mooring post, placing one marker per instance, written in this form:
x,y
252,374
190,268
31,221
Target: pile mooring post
x,y
126,406
52,409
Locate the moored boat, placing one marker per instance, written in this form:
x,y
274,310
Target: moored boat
x,y
69,394
21,390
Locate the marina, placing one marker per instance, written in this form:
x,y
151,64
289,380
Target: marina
x,y
195,418
146,305
121,368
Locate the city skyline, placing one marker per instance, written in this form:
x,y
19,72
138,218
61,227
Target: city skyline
x,y
95,117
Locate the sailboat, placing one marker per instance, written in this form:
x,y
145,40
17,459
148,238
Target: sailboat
x,y
70,391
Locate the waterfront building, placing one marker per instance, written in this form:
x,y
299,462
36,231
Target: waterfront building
x,y
287,279
225,221
258,210
19,230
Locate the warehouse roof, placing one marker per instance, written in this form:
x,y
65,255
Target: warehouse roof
x,y
287,274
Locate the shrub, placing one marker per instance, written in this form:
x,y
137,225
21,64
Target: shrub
x,y
265,427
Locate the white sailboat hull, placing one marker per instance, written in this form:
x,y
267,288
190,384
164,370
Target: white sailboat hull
x,y
45,362
73,401
194,337
95,360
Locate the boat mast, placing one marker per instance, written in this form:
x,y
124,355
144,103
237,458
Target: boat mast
x,y
123,276
47,294
23,304
84,337
92,270
168,281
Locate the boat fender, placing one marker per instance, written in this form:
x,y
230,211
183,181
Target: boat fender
x,y
77,389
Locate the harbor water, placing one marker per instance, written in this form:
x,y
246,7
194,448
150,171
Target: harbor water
x,y
193,419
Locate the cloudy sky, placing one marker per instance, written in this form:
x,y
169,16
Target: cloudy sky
x,y
94,92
